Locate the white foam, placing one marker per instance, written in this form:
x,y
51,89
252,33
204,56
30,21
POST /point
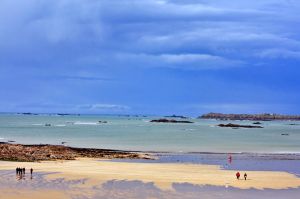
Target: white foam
x,y
38,124
60,125
85,123
1,138
190,129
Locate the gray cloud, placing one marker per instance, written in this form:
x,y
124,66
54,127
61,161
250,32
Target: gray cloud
x,y
61,32
279,53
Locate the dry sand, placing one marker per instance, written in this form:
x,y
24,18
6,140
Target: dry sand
x,y
161,174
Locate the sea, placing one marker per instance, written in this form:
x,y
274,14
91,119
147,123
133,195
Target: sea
x,y
137,133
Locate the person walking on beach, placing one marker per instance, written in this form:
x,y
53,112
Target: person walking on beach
x,y
229,159
31,171
245,176
238,175
23,170
18,171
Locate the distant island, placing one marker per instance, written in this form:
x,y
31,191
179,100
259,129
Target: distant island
x,y
58,114
261,117
170,121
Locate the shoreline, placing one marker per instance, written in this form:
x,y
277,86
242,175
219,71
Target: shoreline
x,y
162,175
77,152
155,175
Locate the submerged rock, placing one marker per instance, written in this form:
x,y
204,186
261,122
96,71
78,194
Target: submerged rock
x,y
238,126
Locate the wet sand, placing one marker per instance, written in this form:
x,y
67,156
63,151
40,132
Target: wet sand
x,y
32,194
89,178
162,175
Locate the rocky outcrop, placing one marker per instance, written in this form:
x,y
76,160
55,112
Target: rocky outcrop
x,y
171,121
238,126
261,117
30,153
256,123
177,116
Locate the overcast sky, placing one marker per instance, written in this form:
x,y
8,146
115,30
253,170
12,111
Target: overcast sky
x,y
150,56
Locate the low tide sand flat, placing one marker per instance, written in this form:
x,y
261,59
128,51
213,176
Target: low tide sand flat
x,y
162,175
32,194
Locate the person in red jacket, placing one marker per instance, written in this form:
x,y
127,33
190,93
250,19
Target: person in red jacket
x,y
238,175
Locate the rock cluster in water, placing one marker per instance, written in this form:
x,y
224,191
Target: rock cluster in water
x,y
262,117
170,121
238,126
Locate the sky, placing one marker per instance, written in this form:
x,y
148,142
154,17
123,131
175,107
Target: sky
x,y
161,57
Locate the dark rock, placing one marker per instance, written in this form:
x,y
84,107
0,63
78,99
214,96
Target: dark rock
x,y
238,126
256,123
30,153
170,121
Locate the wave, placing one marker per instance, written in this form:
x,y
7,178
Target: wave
x,y
38,124
189,129
86,123
60,125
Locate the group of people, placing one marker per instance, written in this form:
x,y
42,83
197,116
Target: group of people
x,y
21,171
238,175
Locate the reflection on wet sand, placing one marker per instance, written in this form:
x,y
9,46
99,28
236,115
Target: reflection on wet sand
x,y
93,178
42,188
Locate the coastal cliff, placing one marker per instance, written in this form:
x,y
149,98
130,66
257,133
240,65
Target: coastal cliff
x,y
262,117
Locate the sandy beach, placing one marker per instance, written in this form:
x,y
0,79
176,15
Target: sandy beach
x,y
96,172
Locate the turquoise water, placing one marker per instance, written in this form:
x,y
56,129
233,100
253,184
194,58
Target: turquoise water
x,y
137,133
